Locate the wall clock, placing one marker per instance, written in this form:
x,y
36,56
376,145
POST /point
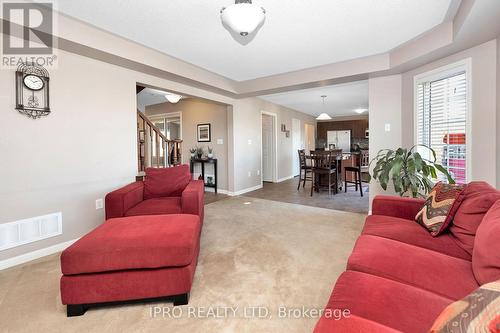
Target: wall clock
x,y
32,90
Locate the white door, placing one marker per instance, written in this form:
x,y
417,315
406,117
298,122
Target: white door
x,y
309,142
267,148
296,145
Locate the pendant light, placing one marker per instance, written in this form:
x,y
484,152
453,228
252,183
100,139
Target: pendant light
x,y
324,115
173,98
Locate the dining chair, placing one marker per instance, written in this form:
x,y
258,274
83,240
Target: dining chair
x,y
360,166
323,164
305,169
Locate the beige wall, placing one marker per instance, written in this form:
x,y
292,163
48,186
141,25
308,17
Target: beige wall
x,y
483,108
247,140
391,100
194,112
87,146
384,95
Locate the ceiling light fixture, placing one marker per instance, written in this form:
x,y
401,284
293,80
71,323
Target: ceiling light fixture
x,y
324,115
360,110
173,98
243,17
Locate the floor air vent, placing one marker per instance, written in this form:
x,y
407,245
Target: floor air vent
x,y
30,230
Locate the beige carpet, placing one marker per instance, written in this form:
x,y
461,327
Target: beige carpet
x,y
254,253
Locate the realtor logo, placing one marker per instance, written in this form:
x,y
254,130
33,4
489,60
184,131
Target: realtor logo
x,y
28,34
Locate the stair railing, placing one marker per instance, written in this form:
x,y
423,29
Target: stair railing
x,y
153,148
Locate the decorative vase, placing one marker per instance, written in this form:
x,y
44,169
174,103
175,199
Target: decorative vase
x,y
210,155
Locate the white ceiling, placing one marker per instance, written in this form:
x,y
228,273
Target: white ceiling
x,y
341,100
297,34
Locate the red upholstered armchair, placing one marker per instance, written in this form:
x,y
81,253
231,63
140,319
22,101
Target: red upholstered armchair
x,y
164,191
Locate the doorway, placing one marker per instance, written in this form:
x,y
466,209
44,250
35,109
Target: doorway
x,y
269,147
309,138
296,145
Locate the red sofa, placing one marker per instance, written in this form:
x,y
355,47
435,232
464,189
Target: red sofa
x,y
399,278
164,191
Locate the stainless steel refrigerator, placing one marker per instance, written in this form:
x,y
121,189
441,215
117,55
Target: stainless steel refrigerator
x,y
339,140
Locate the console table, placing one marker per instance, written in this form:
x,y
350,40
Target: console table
x,y
204,161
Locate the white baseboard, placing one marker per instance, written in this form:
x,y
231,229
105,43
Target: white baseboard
x,y
24,258
246,190
233,194
284,178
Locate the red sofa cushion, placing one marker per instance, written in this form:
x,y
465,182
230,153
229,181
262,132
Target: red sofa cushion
x,y
439,273
166,182
156,206
353,324
134,243
486,254
474,202
390,303
410,232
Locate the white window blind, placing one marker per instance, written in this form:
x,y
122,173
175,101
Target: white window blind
x,y
442,122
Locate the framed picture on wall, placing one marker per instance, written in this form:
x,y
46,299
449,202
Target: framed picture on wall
x,y
204,133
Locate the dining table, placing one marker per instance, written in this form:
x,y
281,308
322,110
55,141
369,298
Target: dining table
x,y
338,166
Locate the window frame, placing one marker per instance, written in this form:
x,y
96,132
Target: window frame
x,y
440,73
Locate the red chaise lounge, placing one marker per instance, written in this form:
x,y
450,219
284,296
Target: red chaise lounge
x,y
138,257
399,278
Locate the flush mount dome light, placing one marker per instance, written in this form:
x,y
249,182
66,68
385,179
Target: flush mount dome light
x,y
360,110
243,17
173,98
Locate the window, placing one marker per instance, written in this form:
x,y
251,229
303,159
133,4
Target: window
x,y
442,119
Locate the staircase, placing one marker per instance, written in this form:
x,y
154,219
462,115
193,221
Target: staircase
x,y
154,150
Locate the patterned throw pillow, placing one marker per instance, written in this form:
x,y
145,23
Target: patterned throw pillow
x,y
438,210
477,312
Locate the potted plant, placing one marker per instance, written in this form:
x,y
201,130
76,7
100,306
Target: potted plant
x,y
199,152
409,172
210,152
192,151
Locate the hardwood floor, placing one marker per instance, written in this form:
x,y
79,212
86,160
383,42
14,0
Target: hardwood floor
x,y
211,197
287,192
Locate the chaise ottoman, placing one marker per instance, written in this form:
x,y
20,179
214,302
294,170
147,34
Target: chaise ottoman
x,y
131,258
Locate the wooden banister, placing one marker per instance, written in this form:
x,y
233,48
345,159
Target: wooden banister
x,y
149,140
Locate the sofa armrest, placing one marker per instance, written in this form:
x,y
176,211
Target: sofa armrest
x,y
405,208
120,201
193,198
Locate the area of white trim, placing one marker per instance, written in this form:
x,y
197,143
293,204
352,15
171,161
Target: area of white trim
x,y
246,190
24,258
285,178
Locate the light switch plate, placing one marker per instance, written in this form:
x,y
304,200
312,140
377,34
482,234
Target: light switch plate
x,y
387,127
220,141
99,204
249,141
